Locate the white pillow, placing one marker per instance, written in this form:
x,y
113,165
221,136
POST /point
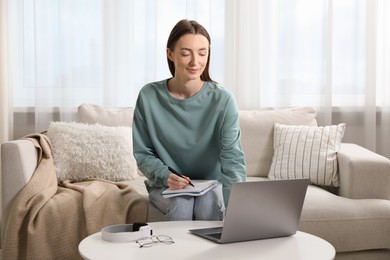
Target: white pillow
x,y
307,152
83,151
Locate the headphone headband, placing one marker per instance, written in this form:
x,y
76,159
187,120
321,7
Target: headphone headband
x,y
126,232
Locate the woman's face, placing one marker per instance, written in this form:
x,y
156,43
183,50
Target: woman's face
x,y
190,56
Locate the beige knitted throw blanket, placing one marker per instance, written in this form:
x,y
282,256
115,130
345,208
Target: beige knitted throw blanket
x,y
48,221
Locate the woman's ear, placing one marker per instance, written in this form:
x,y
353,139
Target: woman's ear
x,y
169,54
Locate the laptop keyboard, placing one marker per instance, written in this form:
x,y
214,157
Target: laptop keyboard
x,y
215,235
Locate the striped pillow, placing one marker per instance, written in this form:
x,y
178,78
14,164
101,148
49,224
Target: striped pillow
x,y
307,152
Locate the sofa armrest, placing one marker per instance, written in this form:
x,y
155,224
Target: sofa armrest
x,y
363,173
18,163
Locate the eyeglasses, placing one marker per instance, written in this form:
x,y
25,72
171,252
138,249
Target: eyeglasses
x,y
150,241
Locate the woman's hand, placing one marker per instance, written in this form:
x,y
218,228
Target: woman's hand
x,y
176,182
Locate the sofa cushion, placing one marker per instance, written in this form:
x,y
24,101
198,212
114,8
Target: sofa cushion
x,y
91,114
256,128
307,152
257,134
349,225
83,151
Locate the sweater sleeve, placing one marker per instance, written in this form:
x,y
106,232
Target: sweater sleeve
x,y
232,155
144,152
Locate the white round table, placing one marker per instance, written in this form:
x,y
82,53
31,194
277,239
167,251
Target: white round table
x,y
188,246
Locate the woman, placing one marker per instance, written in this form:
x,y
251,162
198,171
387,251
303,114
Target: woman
x,y
188,123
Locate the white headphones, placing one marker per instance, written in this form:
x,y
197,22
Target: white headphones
x,y
126,232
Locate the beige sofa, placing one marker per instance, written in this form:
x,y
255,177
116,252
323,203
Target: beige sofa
x,y
354,218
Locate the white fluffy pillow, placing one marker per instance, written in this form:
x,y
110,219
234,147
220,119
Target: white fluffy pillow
x,y
307,152
83,151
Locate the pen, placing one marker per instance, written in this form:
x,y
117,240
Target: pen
x,y
180,175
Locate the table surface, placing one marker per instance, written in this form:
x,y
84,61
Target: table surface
x,y
188,246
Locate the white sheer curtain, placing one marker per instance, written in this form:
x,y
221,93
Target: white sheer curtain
x,y
331,54
334,55
6,118
99,52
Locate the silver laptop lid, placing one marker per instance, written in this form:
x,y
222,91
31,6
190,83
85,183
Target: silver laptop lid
x,y
263,209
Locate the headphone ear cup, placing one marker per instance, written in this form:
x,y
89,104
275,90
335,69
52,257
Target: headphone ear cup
x,y
137,226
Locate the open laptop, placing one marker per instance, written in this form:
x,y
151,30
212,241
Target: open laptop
x,y
260,210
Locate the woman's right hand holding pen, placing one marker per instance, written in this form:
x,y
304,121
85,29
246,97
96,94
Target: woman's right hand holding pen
x,y
176,181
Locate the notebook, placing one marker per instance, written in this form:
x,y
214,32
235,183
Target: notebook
x,y
260,210
200,188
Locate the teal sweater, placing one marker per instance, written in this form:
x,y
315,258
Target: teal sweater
x,y
198,137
